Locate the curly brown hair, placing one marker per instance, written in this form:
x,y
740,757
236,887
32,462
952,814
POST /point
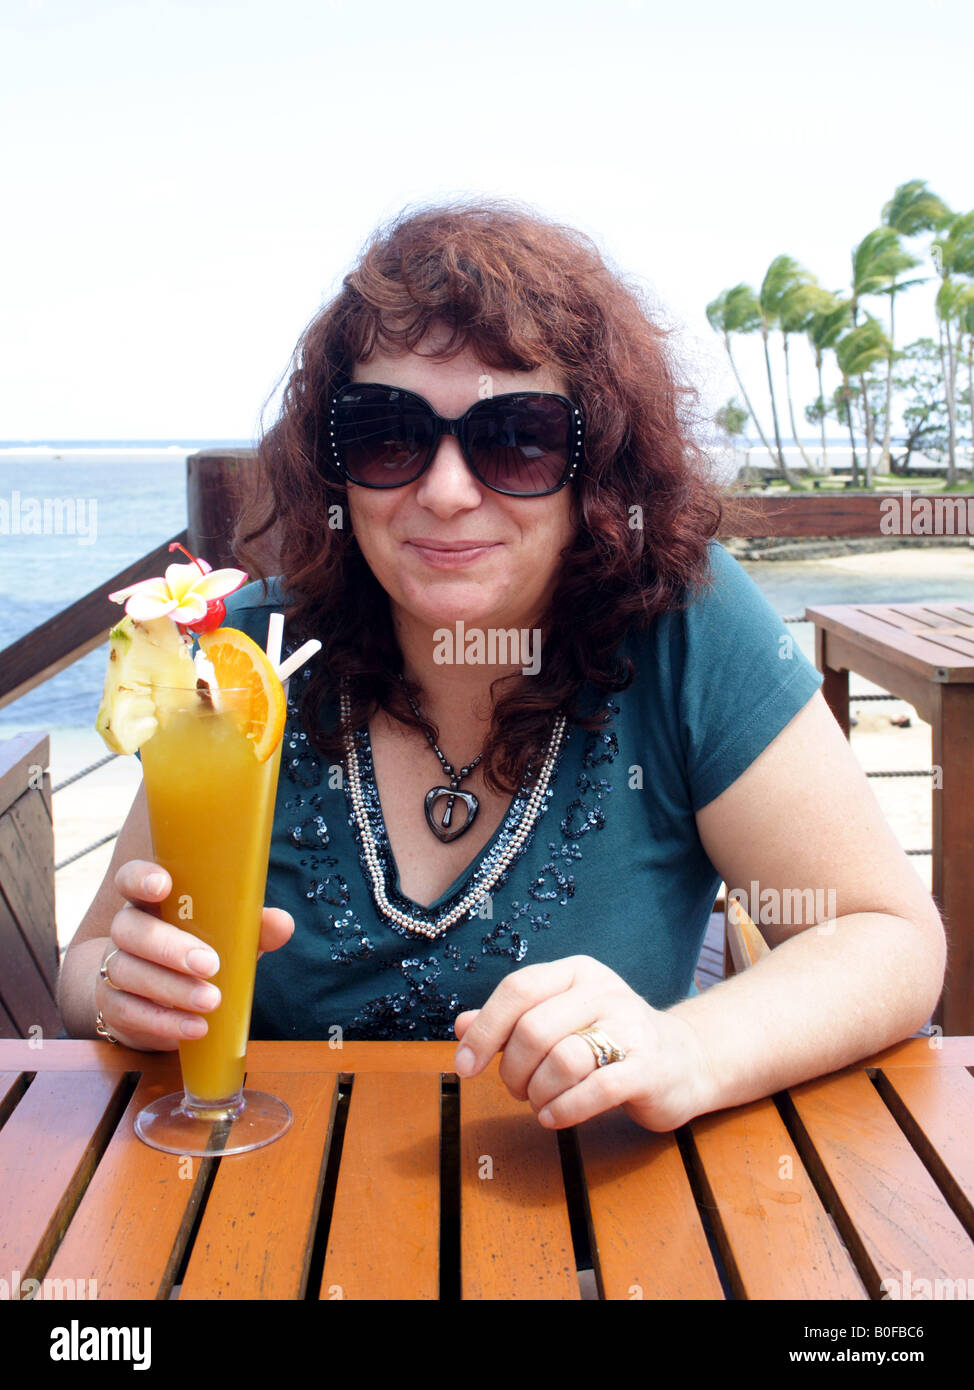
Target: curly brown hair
x,y
524,292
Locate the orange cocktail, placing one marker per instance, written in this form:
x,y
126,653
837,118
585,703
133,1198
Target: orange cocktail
x,y
211,806
209,726
211,768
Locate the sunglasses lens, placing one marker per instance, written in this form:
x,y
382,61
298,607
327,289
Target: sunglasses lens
x,y
381,436
521,443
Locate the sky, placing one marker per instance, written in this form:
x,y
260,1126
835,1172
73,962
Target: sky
x,y
186,183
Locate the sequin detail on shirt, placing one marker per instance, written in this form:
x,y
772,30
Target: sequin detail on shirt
x,y
420,994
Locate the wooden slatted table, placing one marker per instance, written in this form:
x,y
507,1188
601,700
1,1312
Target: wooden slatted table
x,y
396,1181
923,653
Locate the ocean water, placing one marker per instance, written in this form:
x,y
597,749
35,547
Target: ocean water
x,y
71,516
115,503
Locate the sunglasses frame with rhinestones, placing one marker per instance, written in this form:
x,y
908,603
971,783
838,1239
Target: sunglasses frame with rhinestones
x,y
458,429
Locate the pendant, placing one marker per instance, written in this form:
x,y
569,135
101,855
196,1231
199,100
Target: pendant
x,y
445,830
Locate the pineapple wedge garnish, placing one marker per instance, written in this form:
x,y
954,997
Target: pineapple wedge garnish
x,y
142,654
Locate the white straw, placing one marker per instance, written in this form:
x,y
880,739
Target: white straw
x,y
275,636
297,658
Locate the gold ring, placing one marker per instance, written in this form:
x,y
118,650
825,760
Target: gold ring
x,y
103,968
604,1049
102,1031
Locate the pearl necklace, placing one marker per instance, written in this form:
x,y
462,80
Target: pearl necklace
x,y
474,895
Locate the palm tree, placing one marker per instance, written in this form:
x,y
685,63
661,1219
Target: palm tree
x,y
782,279
798,306
965,324
876,262
946,305
856,353
825,327
736,311
912,209
954,256
893,289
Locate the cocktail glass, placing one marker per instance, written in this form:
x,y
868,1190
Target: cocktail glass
x,y
211,808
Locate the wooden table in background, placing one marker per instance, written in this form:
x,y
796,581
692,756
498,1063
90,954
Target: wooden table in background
x,y
923,653
396,1181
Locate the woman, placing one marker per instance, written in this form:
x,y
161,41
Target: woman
x,y
550,716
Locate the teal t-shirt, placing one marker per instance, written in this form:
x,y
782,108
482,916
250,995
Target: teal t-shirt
x,y
613,867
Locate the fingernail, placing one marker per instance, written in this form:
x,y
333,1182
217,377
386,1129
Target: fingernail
x,y
546,1117
154,883
464,1062
193,1027
205,997
203,961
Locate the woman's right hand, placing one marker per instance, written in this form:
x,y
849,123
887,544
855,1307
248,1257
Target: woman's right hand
x,y
159,973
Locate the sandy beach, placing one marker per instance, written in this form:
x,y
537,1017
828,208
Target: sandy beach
x,y
96,805
922,564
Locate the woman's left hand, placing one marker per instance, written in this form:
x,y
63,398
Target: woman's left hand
x,y
533,1017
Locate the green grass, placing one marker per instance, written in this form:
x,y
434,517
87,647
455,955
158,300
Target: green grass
x,y
882,482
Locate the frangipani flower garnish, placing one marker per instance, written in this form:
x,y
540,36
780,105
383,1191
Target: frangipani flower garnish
x,y
189,594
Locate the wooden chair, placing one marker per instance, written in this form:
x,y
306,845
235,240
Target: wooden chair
x,y
28,931
731,943
743,943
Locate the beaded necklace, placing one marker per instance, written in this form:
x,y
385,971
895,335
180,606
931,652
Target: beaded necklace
x,y
480,891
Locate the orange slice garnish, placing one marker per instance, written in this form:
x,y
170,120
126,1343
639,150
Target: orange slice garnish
x,y
240,664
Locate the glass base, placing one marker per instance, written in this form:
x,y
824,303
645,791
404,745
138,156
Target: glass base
x,y
168,1124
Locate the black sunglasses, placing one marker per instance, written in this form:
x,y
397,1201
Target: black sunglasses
x,y
523,444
